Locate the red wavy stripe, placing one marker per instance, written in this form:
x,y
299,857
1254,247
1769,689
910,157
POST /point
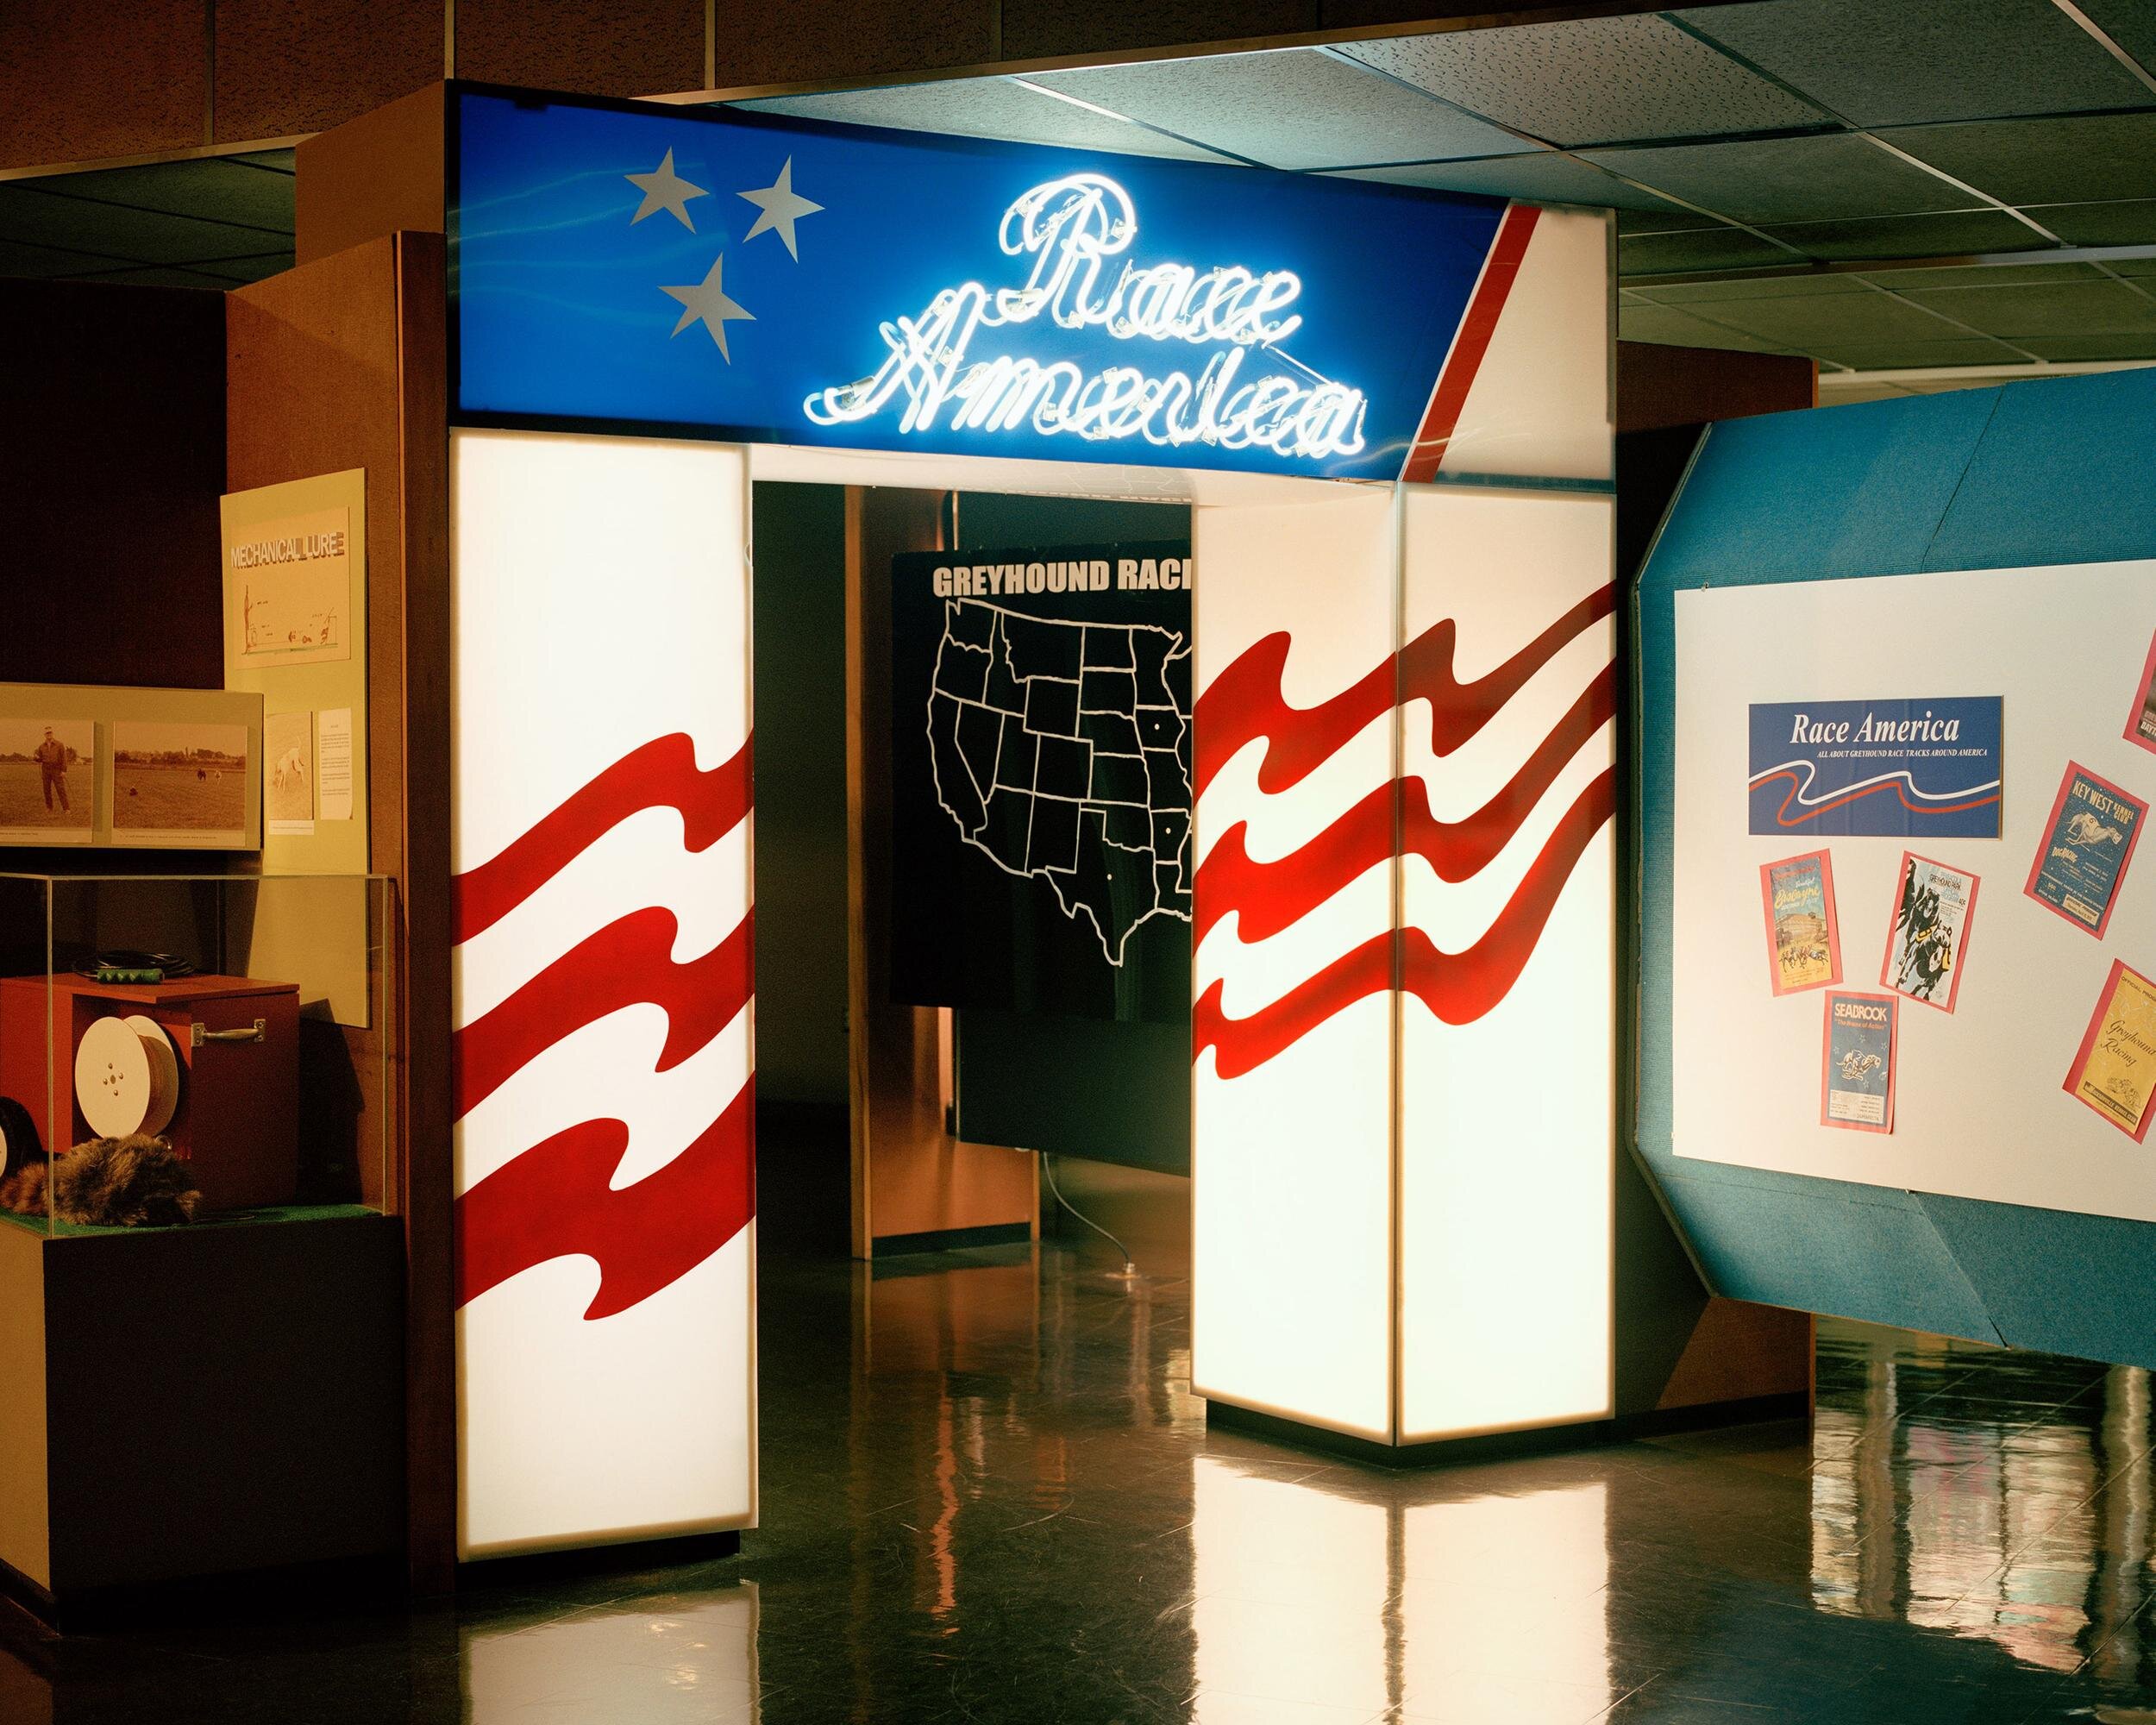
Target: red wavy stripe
x,y
1244,702
661,773
626,963
1457,986
1269,896
1828,808
554,1202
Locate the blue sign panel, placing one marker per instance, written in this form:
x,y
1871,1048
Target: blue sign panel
x,y
1894,769
767,279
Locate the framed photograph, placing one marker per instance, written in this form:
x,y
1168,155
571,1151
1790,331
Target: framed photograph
x,y
2140,723
48,781
1856,1080
2081,859
2114,1069
1804,934
1926,941
179,783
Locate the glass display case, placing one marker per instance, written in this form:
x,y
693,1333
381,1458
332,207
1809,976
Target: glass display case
x,y
182,1049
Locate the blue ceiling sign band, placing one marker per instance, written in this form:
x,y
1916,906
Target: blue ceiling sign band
x,y
764,280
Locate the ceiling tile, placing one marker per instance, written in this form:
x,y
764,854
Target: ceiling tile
x,y
2066,308
1804,283
17,258
27,212
1289,108
1957,234
1544,177
1674,327
1984,275
1669,219
213,189
984,107
1593,81
2082,159
1887,62
1711,249
2128,222
1785,179
2130,23
1882,356
1810,321
1852,395
156,276
2137,346
2136,266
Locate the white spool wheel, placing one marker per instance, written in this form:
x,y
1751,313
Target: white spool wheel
x,y
125,1080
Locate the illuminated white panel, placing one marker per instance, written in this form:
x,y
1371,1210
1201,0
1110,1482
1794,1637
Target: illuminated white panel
x,y
1292,1198
1540,403
1507,1068
1292,1585
601,617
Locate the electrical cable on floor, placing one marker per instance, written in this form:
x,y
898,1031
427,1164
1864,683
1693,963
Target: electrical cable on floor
x,y
1048,1173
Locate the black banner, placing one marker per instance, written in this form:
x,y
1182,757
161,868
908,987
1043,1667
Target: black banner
x,y
1040,758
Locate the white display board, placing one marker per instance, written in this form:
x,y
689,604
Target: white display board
x,y
1981,1110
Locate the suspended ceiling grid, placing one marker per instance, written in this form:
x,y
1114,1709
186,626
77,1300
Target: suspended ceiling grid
x,y
1879,184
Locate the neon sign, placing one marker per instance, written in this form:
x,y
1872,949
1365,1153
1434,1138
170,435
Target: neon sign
x,y
1074,229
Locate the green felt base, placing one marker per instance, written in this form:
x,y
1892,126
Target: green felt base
x,y
224,1219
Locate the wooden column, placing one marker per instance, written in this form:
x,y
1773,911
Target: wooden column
x,y
910,1176
343,363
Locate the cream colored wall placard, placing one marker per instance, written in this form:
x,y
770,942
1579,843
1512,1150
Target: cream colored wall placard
x,y
295,631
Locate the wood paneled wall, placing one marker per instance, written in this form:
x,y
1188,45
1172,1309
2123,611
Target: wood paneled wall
x,y
343,363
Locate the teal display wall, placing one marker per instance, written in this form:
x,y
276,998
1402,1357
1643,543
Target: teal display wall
x,y
2060,470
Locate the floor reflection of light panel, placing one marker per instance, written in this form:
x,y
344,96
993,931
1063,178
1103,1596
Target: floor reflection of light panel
x,y
698,1663
1318,1606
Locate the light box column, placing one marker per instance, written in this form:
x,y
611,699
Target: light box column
x,y
602,999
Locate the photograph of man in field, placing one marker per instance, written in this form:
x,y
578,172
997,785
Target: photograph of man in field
x,y
182,779
48,775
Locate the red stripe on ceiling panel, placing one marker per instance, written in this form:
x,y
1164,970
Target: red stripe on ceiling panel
x,y
1486,304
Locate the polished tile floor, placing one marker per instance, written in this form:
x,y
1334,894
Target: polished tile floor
x,y
989,1496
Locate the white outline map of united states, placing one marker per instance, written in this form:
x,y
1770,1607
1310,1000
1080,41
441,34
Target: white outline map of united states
x,y
1061,750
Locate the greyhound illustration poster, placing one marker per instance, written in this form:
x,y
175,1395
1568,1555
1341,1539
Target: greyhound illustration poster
x,y
1856,1084
1803,935
2140,723
1926,941
288,780
1886,768
2080,862
2115,1070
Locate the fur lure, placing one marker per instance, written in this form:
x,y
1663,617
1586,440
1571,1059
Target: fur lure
x,y
120,1183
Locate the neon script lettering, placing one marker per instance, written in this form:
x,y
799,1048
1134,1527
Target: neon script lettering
x,y
1073,230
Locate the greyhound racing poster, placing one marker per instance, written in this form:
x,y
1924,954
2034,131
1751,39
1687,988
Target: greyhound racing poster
x,y
1803,936
2080,863
1856,1089
1929,934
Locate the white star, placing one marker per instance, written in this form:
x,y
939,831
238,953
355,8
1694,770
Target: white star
x,y
707,303
782,207
664,189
